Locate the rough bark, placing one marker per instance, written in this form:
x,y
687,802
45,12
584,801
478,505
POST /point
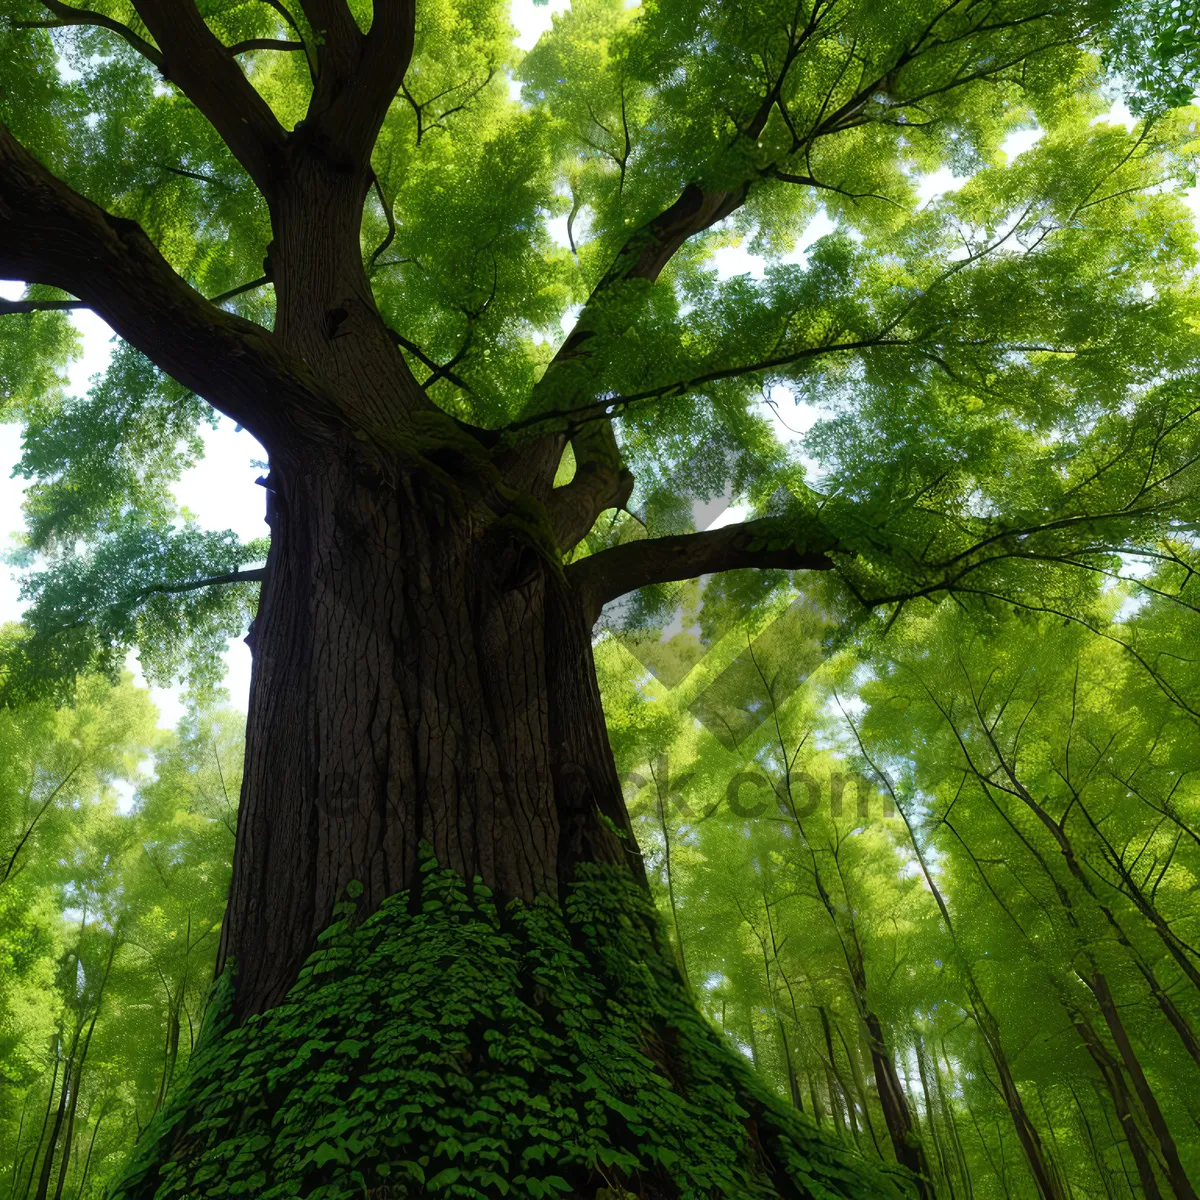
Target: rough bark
x,y
422,673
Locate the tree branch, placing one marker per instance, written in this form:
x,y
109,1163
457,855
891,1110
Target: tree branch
x,y
441,372
254,575
358,75
10,308
602,577
809,181
51,235
199,176
264,44
69,15
569,382
573,508
389,216
614,406
601,478
194,59
242,287
310,56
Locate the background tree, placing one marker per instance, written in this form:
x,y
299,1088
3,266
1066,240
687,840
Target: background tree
x,y
1091,1015
130,905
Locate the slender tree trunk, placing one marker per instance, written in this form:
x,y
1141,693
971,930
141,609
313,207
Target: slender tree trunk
x,y
1121,1146
860,1083
1114,1082
170,1048
1058,1161
793,1081
851,1112
87,1162
934,1136
831,1079
1031,1143
49,1152
68,1139
666,836
1101,1167
1168,1007
16,1168
838,1078
752,1039
80,1059
1043,1173
64,1096
1180,1182
906,1141
45,1118
1183,955
960,1157
815,1099
983,1142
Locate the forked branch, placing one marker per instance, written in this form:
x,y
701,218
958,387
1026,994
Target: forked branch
x,y
358,76
49,234
193,58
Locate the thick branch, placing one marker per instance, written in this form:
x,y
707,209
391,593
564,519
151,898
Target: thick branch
x,y
572,509
194,59
51,235
611,573
358,76
10,308
567,382
264,44
601,479
643,256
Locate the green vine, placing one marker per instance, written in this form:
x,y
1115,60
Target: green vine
x,y
442,1047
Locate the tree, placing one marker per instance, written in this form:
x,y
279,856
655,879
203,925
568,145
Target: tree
x,y
324,220
1025,766
128,914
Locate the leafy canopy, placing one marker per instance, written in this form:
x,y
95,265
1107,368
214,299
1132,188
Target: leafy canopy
x,y
1041,314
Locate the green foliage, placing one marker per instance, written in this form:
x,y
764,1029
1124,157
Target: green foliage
x,y
108,921
441,1046
1156,50
1003,387
796,902
1043,312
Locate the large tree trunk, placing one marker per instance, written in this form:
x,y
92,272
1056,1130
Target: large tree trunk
x,y
422,673
494,1006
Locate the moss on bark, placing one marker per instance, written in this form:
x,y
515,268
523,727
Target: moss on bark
x,y
444,1047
